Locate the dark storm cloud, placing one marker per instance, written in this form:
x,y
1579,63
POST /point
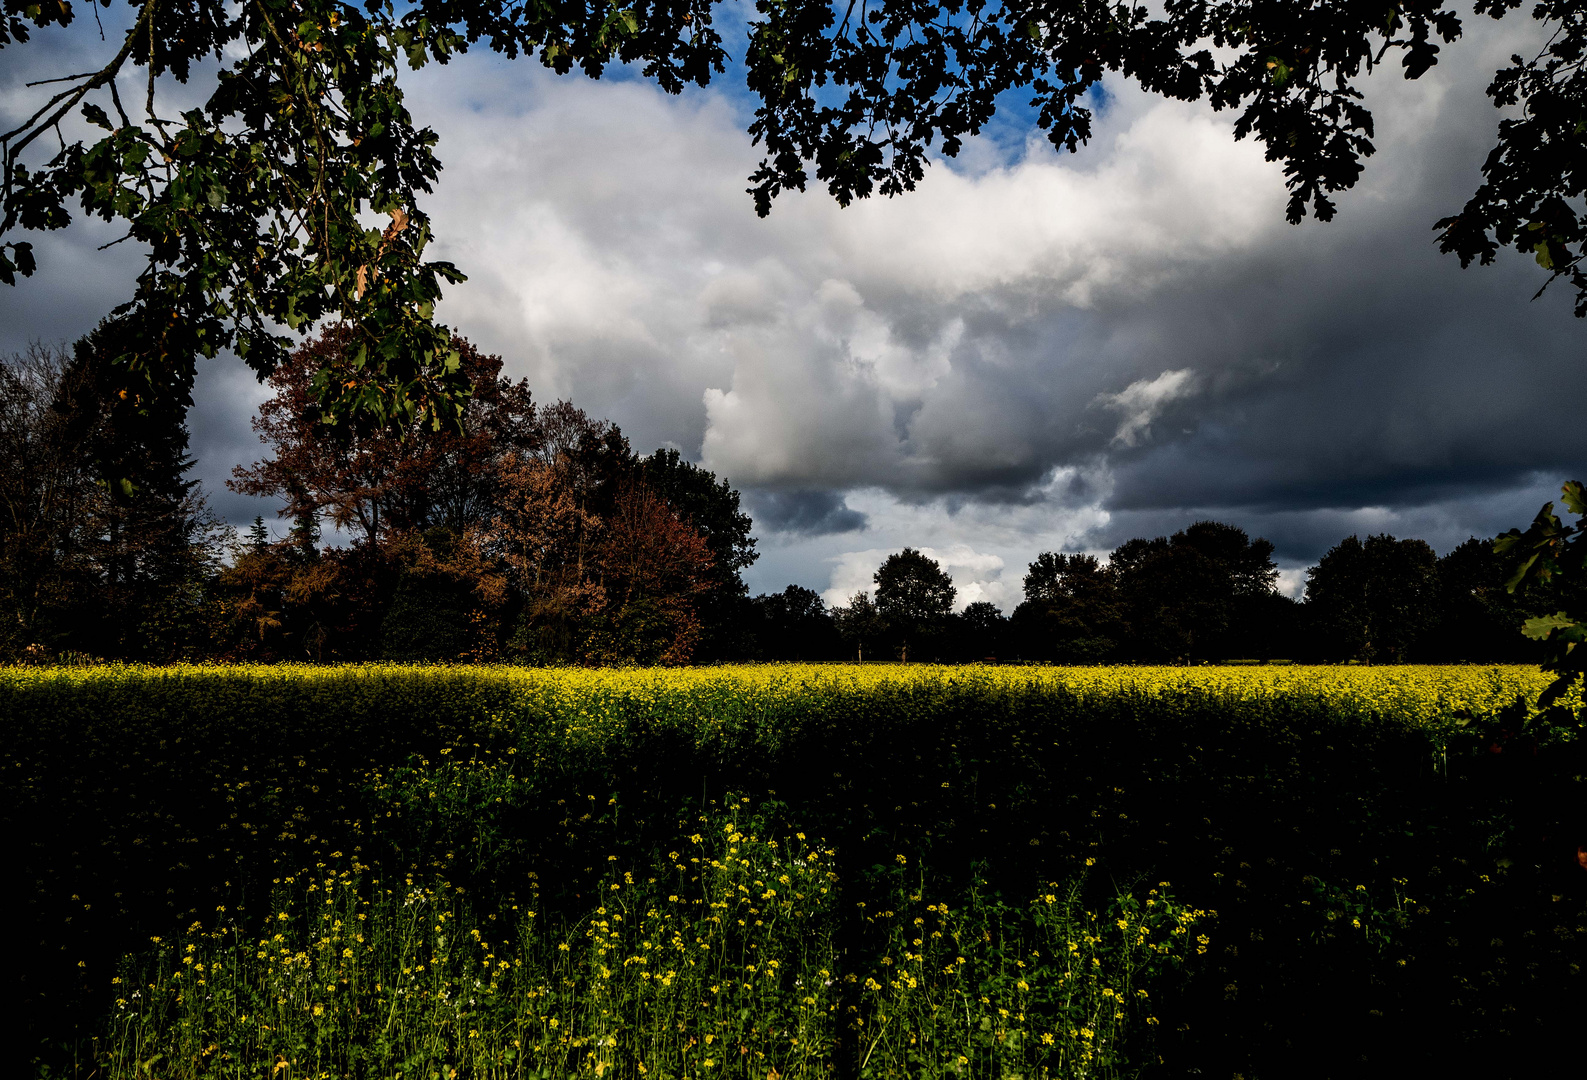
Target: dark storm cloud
x,y
1343,365
807,513
1302,535
1349,378
1368,369
225,397
1450,383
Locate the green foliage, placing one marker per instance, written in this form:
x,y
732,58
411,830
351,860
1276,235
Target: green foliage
x,y
250,205
1548,550
718,959
637,632
428,620
1534,174
253,205
864,100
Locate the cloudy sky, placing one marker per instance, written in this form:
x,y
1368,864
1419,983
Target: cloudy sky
x,y
1032,352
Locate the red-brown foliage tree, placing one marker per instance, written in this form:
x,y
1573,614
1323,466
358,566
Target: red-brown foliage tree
x,y
378,483
654,568
532,533
609,571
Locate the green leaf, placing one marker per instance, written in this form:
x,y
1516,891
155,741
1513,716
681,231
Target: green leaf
x,y
1520,575
20,262
1574,497
1541,627
96,116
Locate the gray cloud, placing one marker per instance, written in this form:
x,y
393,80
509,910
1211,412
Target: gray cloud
x,y
226,396
807,513
1303,534
987,366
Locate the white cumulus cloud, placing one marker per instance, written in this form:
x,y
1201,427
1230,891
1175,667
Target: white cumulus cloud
x,y
1143,401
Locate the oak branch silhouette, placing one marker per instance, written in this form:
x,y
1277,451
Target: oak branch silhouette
x,y
254,207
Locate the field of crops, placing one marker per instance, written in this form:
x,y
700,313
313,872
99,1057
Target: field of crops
x,y
902,870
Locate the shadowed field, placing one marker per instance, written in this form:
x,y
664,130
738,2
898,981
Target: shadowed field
x,y
1389,852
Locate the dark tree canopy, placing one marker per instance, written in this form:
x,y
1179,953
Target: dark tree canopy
x,y
914,597
795,625
1053,578
1184,595
1073,611
249,205
860,625
981,631
107,562
1205,593
1478,619
1371,599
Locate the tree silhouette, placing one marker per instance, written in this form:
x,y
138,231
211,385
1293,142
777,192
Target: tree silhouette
x,y
914,597
1371,600
860,625
1073,611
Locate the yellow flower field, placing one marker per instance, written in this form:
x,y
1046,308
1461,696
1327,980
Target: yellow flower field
x,y
1328,830
1423,694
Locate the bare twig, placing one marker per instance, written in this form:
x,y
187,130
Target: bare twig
x,y
115,98
63,78
844,25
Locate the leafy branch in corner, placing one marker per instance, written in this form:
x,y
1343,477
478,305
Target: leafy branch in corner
x,y
1549,550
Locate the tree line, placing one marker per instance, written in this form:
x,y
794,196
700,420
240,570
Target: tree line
x,y
1207,593
535,533
529,532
